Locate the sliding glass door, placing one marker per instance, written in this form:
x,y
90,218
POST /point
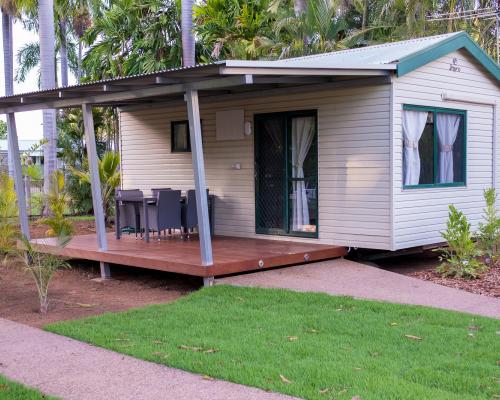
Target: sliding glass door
x,y
286,169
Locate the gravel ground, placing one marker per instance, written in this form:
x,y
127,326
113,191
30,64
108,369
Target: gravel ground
x,y
348,278
73,370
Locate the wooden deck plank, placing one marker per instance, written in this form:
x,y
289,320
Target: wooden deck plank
x,y
231,254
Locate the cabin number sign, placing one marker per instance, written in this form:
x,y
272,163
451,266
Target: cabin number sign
x,y
454,67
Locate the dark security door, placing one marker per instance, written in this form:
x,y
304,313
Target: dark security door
x,y
286,179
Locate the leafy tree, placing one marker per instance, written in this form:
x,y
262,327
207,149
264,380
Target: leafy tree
x,y
3,129
133,37
73,150
234,29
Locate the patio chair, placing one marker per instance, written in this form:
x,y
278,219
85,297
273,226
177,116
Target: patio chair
x,y
154,192
189,214
129,212
166,213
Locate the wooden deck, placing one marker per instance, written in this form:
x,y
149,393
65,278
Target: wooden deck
x,y
231,254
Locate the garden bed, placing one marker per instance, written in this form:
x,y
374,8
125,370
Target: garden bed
x,y
423,266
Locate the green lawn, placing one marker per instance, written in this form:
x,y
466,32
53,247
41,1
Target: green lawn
x,y
82,218
309,345
14,391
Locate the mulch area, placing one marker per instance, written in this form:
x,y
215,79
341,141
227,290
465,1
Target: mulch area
x,y
423,266
78,292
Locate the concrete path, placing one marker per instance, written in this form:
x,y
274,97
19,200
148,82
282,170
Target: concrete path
x,y
69,369
343,277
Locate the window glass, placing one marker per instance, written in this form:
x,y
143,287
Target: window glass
x,y
180,137
426,150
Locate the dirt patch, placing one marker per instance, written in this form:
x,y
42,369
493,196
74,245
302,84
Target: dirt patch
x,y
77,292
423,266
81,228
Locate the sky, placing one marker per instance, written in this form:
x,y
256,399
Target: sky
x,y
29,124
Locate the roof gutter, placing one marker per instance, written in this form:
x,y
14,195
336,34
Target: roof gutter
x,y
126,95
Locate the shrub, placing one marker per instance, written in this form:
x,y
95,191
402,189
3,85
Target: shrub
x,y
460,258
9,227
57,199
488,236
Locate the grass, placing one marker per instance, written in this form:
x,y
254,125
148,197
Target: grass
x,y
81,218
14,391
309,345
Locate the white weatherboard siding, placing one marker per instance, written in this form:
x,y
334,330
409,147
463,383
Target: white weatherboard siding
x,y
354,161
420,214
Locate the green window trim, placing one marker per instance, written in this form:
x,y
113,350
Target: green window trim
x,y
287,231
173,148
435,111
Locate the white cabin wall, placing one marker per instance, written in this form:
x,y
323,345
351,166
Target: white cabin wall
x,y
420,214
354,161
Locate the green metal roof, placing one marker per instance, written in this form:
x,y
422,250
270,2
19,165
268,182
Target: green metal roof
x,y
458,41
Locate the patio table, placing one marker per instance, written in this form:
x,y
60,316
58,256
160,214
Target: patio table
x,y
145,201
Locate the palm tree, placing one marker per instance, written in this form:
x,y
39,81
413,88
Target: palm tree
x,y
320,28
48,81
234,29
9,10
188,43
109,174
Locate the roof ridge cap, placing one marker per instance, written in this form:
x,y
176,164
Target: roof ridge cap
x,y
358,49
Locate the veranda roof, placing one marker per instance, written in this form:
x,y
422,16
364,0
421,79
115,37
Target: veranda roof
x,y
242,75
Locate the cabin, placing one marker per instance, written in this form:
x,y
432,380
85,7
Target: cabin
x,y
368,162
306,157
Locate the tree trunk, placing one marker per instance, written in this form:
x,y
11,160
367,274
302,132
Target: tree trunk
x,y
80,55
364,22
299,7
63,54
48,81
188,44
8,66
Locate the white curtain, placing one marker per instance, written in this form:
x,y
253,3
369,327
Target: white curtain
x,y
413,127
447,128
302,137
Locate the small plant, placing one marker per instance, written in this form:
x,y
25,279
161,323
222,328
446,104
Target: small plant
x,y
460,258
488,236
42,267
9,231
57,201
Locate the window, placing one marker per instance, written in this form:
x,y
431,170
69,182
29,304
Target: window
x,y
434,147
180,137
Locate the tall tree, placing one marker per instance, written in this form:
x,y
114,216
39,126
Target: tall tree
x,y
8,8
63,12
48,81
188,42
